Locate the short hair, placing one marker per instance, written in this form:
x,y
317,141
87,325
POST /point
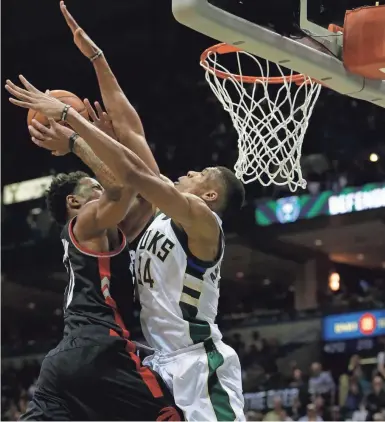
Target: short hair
x,y
234,193
62,186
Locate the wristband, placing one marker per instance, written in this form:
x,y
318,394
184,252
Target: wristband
x,y
72,140
96,55
65,112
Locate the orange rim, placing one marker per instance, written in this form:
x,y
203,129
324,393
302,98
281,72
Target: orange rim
x,y
224,48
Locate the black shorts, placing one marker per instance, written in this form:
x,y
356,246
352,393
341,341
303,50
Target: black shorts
x,y
98,378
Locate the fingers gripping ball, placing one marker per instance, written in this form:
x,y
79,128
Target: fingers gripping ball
x,y
65,97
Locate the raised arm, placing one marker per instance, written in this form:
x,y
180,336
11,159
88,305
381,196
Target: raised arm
x,y
126,122
115,200
188,210
141,211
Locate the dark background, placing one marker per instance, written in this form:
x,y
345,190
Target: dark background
x,y
156,60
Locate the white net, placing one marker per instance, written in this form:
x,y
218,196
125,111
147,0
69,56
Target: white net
x,y
271,120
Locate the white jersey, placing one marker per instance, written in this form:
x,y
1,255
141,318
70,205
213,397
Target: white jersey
x,y
178,292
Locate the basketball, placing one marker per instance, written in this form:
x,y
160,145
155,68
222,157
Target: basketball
x,y
65,97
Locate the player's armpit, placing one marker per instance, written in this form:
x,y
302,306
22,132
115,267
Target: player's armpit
x,y
102,214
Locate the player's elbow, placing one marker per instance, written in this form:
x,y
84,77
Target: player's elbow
x,y
115,193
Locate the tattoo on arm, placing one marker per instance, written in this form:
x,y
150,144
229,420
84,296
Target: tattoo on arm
x,y
101,171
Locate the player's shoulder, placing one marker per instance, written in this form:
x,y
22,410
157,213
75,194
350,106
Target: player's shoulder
x,y
198,207
84,227
88,208
196,201
85,213
202,215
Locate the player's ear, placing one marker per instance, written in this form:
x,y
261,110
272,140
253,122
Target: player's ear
x,y
73,202
210,196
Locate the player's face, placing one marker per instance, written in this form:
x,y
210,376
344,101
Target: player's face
x,y
196,182
89,189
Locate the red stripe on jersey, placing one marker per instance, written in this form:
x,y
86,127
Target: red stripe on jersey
x,y
105,272
147,375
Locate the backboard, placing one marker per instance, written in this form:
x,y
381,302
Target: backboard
x,y
292,33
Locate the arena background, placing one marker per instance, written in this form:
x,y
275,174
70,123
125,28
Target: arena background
x,y
290,265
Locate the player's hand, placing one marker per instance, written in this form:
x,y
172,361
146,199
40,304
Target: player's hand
x,y
101,120
81,39
31,97
55,138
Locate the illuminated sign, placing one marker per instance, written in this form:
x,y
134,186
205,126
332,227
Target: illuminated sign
x,y
288,209
294,208
356,201
26,190
354,325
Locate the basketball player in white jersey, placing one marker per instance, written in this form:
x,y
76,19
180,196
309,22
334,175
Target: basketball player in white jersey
x,y
178,271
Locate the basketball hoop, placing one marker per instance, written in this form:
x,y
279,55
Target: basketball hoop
x,y
270,126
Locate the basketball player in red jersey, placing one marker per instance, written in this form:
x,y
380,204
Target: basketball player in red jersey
x,y
93,373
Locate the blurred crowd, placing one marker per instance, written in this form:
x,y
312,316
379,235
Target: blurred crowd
x,y
17,386
356,393
353,393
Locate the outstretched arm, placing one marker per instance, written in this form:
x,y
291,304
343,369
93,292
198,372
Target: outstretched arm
x,y
141,211
126,122
112,206
187,210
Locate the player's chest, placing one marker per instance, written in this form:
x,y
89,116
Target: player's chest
x,y
157,244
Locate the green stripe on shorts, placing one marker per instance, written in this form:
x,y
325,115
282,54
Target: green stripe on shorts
x,y
218,395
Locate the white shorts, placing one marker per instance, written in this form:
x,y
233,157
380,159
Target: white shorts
x,y
205,380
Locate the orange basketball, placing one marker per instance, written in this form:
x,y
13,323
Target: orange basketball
x,y
65,97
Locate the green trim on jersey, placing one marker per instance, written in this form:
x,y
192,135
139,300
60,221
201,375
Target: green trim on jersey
x,y
220,400
199,330
195,268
